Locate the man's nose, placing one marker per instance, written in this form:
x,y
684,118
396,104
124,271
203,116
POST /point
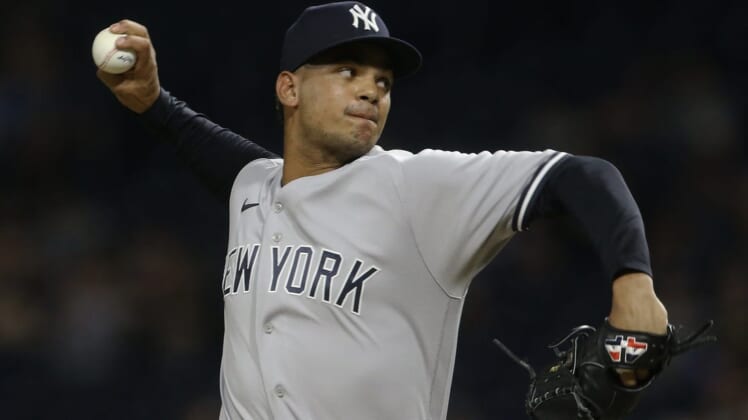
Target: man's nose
x,y
367,91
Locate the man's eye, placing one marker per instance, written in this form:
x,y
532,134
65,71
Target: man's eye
x,y
384,83
346,71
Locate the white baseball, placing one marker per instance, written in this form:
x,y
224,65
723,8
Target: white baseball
x,y
106,55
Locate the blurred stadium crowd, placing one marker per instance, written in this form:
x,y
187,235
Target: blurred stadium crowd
x,y
111,251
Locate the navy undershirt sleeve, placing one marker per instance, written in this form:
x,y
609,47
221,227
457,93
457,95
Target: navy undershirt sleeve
x,y
593,193
215,154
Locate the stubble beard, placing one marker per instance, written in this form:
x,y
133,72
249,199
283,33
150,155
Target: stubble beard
x,y
336,147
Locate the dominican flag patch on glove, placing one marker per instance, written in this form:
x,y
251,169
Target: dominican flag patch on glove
x,y
624,349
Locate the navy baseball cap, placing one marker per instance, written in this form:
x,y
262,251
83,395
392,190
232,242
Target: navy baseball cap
x,y
322,27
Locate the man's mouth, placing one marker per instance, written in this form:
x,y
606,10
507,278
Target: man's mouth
x,y
371,116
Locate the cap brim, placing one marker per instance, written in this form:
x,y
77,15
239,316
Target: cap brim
x,y
406,59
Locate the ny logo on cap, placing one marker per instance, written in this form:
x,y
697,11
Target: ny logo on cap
x,y
367,15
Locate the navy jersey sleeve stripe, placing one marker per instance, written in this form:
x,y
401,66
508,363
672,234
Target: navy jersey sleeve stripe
x,y
215,154
519,221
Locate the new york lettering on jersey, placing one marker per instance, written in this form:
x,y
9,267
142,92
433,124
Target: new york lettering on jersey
x,y
299,270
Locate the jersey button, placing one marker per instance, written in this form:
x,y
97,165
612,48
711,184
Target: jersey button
x,y
279,391
277,237
278,207
268,328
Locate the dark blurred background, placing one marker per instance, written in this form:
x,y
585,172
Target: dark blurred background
x,y
111,252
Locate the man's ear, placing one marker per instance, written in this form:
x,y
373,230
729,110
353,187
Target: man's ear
x,y
287,89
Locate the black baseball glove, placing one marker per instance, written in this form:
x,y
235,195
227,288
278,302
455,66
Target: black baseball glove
x,y
584,382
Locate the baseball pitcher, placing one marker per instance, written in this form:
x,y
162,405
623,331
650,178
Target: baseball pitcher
x,y
347,265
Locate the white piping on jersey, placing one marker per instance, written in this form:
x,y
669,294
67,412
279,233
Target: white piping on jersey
x,y
535,182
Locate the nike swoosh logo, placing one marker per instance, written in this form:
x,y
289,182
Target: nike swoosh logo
x,y
248,205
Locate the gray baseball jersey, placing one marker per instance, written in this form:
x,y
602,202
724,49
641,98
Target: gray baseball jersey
x,y
343,291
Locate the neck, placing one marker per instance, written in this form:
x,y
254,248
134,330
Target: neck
x,y
293,171
299,162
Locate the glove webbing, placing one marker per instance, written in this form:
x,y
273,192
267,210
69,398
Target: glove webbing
x,y
535,401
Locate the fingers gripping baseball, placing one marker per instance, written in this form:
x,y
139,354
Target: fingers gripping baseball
x,y
139,87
